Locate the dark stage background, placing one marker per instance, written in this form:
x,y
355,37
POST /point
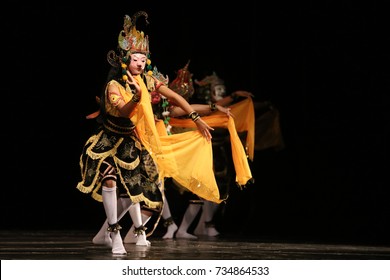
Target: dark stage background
x,y
323,64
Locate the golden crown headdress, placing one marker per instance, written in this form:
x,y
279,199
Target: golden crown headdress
x,y
130,40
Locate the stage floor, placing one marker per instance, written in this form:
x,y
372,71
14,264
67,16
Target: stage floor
x,y
77,245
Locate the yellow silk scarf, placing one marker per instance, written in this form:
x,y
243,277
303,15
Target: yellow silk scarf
x,y
240,160
244,113
186,157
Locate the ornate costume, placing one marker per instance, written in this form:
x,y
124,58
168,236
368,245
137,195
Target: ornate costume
x,y
131,145
117,146
129,154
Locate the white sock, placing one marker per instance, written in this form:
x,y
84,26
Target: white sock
x,y
136,216
210,208
103,236
188,218
200,228
166,214
124,207
110,203
130,236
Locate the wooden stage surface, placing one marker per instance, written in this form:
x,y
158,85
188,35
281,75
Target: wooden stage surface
x,y
77,245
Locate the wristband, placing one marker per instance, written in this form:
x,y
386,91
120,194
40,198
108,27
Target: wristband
x,y
136,98
194,116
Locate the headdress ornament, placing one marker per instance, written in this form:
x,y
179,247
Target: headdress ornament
x,y
130,40
211,81
206,86
183,83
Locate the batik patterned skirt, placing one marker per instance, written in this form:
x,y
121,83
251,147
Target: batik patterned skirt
x,y
116,153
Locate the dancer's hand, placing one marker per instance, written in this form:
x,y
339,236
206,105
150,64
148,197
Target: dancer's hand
x,y
132,82
225,110
204,128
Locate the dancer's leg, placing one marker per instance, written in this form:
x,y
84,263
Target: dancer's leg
x,y
110,206
210,208
169,223
139,229
130,236
103,236
188,218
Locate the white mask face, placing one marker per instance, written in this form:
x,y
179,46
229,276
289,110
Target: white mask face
x,y
137,63
219,92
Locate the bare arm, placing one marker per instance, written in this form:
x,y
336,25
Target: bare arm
x,y
202,126
202,109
